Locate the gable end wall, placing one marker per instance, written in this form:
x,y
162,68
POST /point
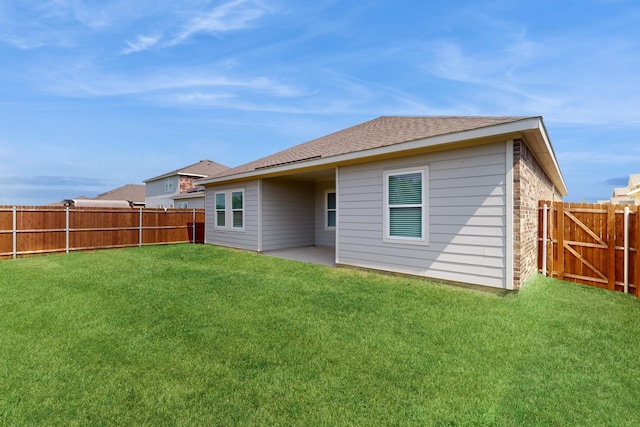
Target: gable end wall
x,y
530,184
186,183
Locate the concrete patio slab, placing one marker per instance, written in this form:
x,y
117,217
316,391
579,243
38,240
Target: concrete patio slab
x,y
312,254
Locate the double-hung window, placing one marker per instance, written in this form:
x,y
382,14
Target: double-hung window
x,y
330,209
405,205
221,212
237,208
168,185
229,209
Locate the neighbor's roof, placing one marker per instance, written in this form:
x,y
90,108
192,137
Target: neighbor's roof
x,y
634,180
386,131
202,169
130,192
620,192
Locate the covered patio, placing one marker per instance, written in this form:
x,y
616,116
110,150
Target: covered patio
x,y
321,255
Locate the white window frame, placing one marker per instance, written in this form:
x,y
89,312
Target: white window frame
x,y
168,185
387,238
327,210
241,210
229,210
182,205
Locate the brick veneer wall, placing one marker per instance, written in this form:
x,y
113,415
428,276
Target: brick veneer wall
x,y
530,184
186,183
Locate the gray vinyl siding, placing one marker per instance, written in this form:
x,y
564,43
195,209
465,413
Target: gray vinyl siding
x,y
288,209
192,203
156,196
323,236
467,217
241,239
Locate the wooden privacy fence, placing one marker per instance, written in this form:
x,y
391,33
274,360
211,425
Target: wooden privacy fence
x,y
593,244
48,229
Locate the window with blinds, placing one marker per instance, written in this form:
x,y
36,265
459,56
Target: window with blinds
x,y
405,205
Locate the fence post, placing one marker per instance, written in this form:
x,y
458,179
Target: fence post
x,y
193,226
545,209
611,243
560,214
626,249
140,230
15,232
637,252
66,220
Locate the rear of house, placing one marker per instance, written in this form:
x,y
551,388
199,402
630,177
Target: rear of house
x,y
450,198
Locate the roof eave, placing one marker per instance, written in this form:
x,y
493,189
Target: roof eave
x,y
170,174
540,145
533,125
194,195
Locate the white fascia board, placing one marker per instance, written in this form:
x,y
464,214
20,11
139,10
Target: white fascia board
x,y
434,141
199,175
170,174
631,193
551,154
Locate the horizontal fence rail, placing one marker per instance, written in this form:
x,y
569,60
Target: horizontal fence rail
x,y
593,244
32,230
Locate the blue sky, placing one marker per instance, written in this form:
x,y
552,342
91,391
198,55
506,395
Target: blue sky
x,y
96,94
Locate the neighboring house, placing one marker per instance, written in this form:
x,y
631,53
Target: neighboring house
x,y
129,195
451,198
629,195
133,193
619,197
167,190
95,203
634,188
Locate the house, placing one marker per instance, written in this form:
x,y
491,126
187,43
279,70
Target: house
x,y
133,193
629,195
634,188
176,188
129,195
449,198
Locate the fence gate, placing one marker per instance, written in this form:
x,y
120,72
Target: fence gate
x,y
592,244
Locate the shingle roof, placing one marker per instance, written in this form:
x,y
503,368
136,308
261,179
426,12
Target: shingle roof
x,y
202,168
129,192
380,132
620,192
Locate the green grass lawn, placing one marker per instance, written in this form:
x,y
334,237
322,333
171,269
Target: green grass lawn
x,y
200,335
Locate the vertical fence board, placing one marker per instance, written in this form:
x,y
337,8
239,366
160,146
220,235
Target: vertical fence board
x,y
611,242
559,206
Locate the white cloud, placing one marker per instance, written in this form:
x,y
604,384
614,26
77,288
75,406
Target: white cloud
x,y
83,80
234,15
141,43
